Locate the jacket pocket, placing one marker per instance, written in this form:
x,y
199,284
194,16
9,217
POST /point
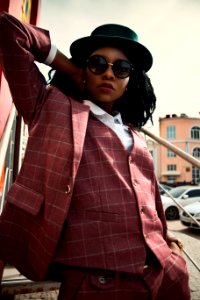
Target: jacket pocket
x,y
25,198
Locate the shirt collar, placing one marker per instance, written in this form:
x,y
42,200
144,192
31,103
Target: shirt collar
x,y
96,110
99,112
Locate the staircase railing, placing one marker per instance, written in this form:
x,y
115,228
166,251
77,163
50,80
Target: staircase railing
x,y
195,162
6,137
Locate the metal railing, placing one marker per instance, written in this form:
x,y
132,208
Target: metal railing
x,y
6,137
195,162
7,183
179,205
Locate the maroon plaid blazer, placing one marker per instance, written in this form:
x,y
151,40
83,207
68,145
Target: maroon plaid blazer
x,y
30,227
38,202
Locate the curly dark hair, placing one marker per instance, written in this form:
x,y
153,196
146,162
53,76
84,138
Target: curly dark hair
x,y
136,105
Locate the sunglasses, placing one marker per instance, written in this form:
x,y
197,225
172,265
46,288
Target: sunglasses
x,y
97,64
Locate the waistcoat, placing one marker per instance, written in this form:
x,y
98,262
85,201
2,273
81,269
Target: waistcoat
x,y
103,227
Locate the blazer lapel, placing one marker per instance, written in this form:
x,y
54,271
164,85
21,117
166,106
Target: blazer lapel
x,y
80,115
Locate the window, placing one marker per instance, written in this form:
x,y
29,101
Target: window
x,y
171,179
193,193
195,175
151,152
171,167
195,132
171,132
170,153
196,152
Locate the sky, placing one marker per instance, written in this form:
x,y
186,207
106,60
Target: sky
x,y
169,29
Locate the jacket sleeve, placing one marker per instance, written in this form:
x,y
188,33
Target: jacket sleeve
x,y
20,45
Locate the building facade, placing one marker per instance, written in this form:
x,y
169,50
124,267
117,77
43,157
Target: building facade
x,y
183,132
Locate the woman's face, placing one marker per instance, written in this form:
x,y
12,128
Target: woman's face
x,y
105,88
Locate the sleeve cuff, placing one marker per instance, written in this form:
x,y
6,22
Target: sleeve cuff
x,y
51,55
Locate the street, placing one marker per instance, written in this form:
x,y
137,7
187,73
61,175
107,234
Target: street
x,y
191,242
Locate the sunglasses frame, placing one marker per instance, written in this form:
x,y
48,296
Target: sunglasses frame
x,y
107,64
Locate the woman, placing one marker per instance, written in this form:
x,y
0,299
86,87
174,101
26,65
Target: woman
x,y
85,208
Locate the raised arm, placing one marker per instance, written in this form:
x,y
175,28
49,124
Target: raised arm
x,y
65,65
20,45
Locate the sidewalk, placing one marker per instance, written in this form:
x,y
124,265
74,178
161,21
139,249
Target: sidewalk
x,y
26,289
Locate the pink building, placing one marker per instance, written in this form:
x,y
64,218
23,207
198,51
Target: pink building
x,y
183,132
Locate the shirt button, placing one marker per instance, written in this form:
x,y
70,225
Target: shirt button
x,y
102,280
67,191
142,209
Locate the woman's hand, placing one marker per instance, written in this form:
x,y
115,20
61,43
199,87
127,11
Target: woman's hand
x,y
174,244
65,65
178,249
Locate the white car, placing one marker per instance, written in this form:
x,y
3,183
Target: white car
x,y
194,210
183,195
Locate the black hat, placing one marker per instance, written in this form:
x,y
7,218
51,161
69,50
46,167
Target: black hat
x,y
115,35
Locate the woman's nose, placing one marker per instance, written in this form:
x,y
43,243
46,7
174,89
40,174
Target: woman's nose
x,y
109,71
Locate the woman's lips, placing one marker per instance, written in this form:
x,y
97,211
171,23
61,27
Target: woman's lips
x,y
106,87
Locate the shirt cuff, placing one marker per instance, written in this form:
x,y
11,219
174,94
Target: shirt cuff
x,y
51,55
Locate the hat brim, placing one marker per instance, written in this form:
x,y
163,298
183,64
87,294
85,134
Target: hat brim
x,y
138,54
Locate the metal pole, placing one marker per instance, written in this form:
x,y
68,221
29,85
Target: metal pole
x,y
179,205
190,258
195,162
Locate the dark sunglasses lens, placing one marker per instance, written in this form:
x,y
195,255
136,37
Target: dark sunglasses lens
x,y
97,64
122,68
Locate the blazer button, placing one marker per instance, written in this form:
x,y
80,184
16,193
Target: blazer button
x,y
142,209
67,191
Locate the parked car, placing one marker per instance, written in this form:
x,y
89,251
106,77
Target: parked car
x,y
183,195
165,186
194,210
